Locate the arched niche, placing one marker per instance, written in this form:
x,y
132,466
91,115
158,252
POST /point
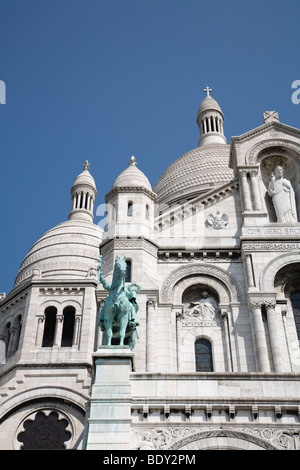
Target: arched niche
x,y
213,277
287,284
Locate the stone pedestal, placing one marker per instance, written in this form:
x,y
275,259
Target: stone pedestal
x,y
109,410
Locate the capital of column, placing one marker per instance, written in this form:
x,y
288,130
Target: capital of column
x,y
151,303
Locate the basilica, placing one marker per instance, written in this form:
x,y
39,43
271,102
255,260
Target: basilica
x,y
212,267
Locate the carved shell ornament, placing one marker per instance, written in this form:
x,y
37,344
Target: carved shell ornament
x,y
217,221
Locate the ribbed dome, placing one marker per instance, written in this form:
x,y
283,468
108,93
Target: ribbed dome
x,y
85,178
132,177
209,104
67,251
195,172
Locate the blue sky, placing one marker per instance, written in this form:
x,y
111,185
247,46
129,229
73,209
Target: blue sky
x,y
106,79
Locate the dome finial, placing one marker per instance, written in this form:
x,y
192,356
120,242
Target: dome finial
x,y
207,89
86,165
132,161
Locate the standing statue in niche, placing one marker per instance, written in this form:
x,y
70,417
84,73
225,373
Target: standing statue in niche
x,y
283,196
118,316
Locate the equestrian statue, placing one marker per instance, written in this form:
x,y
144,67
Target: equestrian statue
x,y
118,316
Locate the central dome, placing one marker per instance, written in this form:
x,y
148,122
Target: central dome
x,y
196,172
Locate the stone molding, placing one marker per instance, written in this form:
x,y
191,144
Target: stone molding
x,y
130,189
195,205
268,274
269,246
251,156
176,437
140,244
202,273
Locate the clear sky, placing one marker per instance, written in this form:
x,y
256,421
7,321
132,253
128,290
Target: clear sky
x,y
103,80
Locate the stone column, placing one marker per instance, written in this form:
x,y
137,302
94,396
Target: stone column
x,y
274,335
75,340
245,190
150,339
11,342
58,330
2,349
255,189
108,425
249,270
179,317
224,315
40,330
285,328
259,336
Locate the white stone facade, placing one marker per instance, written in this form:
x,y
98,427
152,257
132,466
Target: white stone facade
x,y
217,361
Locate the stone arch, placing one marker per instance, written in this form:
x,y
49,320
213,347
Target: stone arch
x,y
269,154
42,393
222,439
183,277
18,408
283,145
267,276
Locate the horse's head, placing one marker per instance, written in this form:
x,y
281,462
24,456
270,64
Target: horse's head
x,y
120,266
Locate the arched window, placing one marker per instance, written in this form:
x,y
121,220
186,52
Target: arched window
x,y
203,355
49,329
295,300
68,327
130,209
128,271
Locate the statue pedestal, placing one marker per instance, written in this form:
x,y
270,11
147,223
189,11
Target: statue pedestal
x,y
109,412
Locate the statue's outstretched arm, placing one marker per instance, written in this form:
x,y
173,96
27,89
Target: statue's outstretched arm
x,y
101,278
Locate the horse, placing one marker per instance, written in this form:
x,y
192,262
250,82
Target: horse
x,y
118,314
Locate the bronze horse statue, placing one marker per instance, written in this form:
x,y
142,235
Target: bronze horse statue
x,y
118,315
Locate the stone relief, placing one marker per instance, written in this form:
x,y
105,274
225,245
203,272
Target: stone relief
x,y
217,221
202,310
283,197
176,437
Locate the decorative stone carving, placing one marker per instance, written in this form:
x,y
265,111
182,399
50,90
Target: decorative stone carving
x,y
270,116
217,221
173,286
283,197
172,438
202,312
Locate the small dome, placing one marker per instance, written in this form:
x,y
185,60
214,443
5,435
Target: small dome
x,y
209,104
67,251
85,178
132,177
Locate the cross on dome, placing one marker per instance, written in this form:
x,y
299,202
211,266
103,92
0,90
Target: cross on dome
x,y
86,165
207,89
132,161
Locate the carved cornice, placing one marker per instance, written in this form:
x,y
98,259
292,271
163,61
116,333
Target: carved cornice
x,y
130,189
129,244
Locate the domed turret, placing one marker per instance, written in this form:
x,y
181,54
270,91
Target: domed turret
x,y
132,177
210,120
130,204
83,194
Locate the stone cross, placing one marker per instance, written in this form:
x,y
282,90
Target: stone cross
x,y
132,161
207,89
